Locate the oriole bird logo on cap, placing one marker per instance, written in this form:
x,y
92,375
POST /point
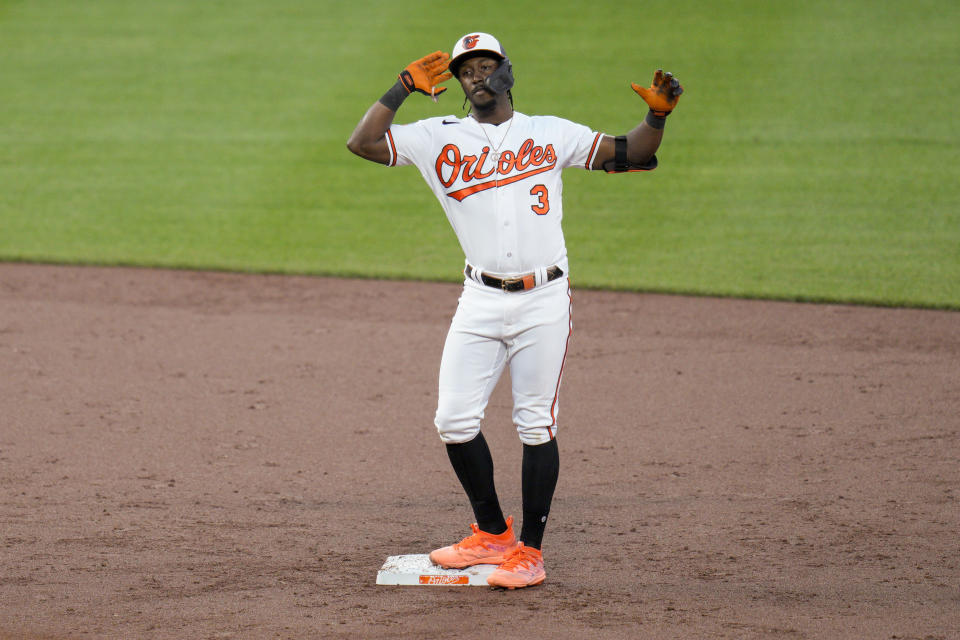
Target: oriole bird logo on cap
x,y
469,42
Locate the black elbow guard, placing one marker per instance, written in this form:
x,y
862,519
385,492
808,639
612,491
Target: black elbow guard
x,y
620,164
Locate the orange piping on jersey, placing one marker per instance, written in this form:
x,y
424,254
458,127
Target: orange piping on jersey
x,y
590,155
393,150
556,395
460,194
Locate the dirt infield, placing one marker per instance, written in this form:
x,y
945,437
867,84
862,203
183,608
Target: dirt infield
x,y
200,455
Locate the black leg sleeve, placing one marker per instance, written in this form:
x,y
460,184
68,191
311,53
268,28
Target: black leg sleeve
x,y
473,465
541,468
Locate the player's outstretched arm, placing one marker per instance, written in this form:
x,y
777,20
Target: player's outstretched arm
x,y
368,139
644,140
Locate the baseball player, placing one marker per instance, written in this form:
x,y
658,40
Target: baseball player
x,y
497,175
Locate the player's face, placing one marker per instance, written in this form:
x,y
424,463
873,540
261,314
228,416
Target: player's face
x,y
472,74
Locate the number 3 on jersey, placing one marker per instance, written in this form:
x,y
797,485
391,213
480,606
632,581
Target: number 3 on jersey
x,y
542,207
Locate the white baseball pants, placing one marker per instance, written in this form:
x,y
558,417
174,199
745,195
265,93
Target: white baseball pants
x,y
527,331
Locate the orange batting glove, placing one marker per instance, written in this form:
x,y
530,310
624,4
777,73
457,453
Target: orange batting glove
x,y
425,74
662,95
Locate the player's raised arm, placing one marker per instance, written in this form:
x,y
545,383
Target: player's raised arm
x,y
368,139
635,151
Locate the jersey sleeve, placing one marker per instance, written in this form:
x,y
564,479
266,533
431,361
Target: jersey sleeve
x,y
580,146
408,142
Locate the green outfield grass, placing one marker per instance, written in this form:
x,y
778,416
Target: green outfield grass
x,y
814,155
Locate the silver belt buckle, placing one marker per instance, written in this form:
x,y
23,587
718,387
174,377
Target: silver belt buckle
x,y
505,282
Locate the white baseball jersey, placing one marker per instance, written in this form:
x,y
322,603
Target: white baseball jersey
x,y
499,185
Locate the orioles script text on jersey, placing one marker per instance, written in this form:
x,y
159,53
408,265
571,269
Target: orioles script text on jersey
x,y
451,163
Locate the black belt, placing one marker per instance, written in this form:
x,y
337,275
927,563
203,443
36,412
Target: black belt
x,y
517,283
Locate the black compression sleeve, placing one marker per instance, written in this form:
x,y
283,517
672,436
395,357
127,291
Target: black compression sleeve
x,y
394,96
655,121
473,465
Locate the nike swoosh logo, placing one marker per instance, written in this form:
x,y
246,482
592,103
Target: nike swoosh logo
x,y
454,122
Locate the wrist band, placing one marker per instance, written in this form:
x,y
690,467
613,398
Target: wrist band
x,y
655,121
394,96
